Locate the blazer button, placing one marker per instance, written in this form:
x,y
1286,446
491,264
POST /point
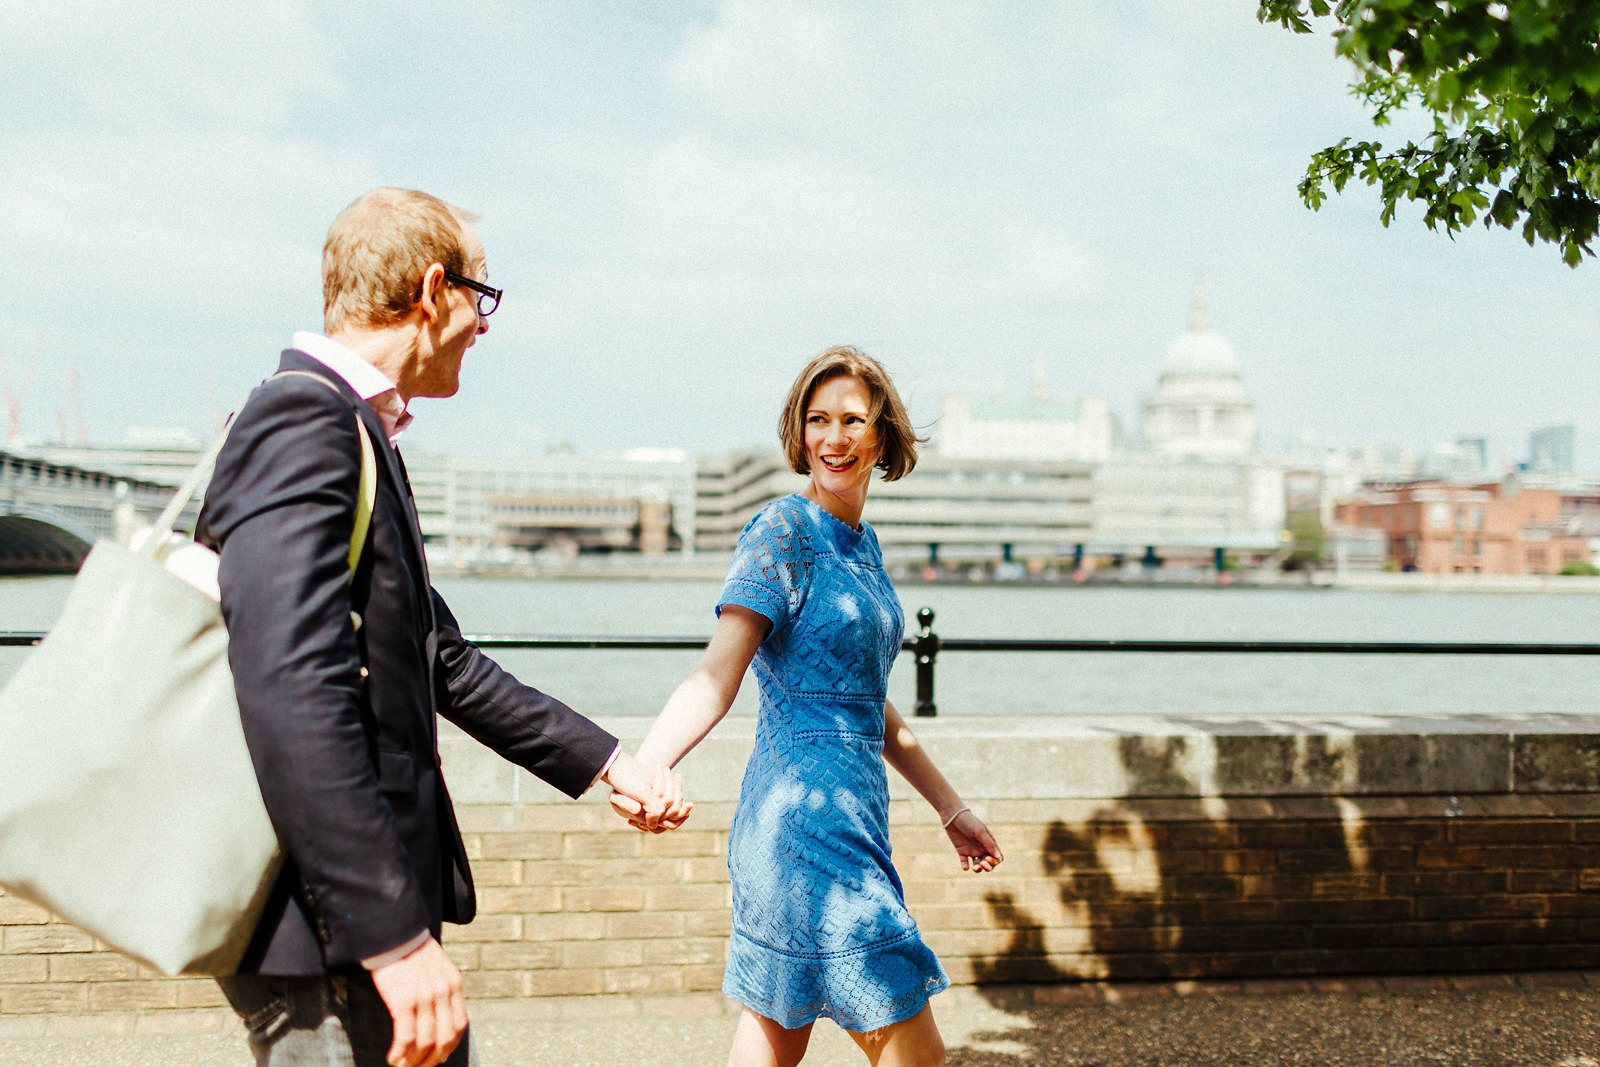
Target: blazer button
x,y
363,672
355,619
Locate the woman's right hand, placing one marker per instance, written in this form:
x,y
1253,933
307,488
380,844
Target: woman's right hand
x,y
976,846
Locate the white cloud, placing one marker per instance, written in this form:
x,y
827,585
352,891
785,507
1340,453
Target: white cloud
x,y
829,157
717,224
212,221
1040,264
762,59
153,160
808,69
700,201
252,63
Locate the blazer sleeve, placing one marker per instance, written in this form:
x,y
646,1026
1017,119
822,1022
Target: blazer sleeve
x,y
282,506
524,725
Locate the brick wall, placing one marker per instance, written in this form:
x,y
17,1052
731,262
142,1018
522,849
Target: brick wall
x,y
1261,872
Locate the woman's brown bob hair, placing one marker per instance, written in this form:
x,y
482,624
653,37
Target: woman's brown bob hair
x,y
897,441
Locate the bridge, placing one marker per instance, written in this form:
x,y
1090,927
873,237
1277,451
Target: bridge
x,y
51,513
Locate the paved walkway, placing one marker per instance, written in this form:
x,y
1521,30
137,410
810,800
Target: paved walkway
x,y
1530,1020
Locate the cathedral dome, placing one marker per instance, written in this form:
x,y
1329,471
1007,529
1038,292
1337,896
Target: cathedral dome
x,y
1200,406
1200,350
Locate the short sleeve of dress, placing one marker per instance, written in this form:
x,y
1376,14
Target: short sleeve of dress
x,y
772,565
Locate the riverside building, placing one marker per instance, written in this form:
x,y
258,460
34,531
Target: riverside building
x,y
946,509
1493,528
498,509
1040,429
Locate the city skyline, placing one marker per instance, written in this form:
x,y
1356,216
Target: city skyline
x,y
685,203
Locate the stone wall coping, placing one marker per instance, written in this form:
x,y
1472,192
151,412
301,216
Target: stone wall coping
x,y
1157,755
1164,724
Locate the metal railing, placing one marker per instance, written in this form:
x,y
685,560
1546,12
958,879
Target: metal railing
x,y
926,646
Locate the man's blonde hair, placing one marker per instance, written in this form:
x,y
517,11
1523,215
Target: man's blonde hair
x,y
377,251
897,441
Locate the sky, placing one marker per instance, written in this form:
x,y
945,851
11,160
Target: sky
x,y
686,201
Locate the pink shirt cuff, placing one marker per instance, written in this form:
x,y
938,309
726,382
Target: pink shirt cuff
x,y
400,952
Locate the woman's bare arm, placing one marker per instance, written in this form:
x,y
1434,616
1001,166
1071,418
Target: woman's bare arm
x,y
972,840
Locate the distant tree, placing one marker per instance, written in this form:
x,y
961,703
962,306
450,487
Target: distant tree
x,y
1513,88
1307,539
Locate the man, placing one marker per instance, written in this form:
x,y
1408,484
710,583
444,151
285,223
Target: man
x,y
340,674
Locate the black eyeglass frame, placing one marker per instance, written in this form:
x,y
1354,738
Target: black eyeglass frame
x,y
485,292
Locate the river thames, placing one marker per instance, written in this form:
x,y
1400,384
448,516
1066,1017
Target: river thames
x,y
628,682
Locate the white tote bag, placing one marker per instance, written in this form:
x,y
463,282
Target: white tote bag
x,y
128,802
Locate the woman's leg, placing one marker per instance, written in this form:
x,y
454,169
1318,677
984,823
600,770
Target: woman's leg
x,y
913,1042
761,1042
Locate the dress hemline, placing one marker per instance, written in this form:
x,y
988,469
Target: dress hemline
x,y
898,1016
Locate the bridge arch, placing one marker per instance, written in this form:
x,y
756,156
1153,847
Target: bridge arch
x,y
41,540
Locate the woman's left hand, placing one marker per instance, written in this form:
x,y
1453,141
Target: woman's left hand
x,y
974,843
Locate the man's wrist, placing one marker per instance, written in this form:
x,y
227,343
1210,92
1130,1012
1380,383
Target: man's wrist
x,y
399,952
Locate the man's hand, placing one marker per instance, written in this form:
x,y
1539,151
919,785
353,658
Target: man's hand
x,y
422,991
650,798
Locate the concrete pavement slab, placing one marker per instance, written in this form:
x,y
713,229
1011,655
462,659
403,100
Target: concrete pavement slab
x,y
1525,1020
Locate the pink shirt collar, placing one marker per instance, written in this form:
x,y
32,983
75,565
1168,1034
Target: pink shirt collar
x,y
368,381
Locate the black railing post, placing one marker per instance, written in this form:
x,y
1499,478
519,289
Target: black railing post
x,y
926,648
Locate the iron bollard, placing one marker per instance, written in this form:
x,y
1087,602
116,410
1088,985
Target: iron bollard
x,y
926,648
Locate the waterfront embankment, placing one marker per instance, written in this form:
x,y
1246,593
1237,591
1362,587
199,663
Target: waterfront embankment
x,y
1160,847
711,567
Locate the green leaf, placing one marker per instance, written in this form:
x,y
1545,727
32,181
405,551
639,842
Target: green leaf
x,y
1513,96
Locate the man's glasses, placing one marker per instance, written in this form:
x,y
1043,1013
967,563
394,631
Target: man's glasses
x,y
488,296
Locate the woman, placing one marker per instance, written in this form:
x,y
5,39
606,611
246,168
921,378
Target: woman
x,y
820,927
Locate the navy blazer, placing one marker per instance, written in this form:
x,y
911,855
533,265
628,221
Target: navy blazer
x,y
339,683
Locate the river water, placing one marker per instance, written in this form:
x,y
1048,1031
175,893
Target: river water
x,y
607,682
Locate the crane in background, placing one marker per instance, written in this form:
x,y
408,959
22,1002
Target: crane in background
x,y
70,427
12,392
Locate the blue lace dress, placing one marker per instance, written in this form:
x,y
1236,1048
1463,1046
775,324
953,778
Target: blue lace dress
x,y
820,926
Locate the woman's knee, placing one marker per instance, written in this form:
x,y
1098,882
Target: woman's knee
x,y
913,1042
762,1042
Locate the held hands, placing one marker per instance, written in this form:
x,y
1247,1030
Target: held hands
x,y
650,798
974,843
422,991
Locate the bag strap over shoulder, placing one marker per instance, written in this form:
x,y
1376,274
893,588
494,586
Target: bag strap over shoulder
x,y
366,487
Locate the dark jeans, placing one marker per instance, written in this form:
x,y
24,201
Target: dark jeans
x,y
319,1021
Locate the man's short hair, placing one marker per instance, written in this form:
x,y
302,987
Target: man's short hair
x,y
377,251
897,441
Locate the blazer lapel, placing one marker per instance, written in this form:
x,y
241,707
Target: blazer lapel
x,y
294,359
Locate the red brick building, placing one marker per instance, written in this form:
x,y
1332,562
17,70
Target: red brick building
x,y
1495,528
